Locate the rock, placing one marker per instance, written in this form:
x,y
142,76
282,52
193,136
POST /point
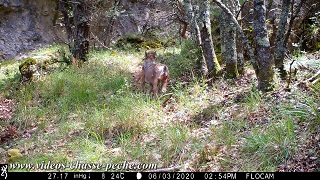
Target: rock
x,y
25,24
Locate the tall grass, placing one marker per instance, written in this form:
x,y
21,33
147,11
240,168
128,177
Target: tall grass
x,y
92,115
271,146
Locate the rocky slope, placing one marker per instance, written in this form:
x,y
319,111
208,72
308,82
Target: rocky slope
x,y
27,24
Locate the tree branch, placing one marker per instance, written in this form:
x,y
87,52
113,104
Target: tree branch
x,y
243,37
292,20
241,8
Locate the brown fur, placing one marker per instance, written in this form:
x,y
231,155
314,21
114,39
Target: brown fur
x,y
153,73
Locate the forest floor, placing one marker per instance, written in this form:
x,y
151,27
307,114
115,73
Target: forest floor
x,y
92,115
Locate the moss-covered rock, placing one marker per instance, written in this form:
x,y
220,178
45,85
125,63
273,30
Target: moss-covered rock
x,y
26,69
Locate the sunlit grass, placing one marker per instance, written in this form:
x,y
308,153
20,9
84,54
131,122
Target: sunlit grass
x,y
93,115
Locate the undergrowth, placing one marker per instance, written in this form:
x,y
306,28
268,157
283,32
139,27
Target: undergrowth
x,y
93,115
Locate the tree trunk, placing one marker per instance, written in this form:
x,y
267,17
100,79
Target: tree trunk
x,y
230,43
240,57
262,63
81,20
63,5
264,58
192,13
292,20
280,48
222,24
184,30
241,34
268,8
206,38
78,38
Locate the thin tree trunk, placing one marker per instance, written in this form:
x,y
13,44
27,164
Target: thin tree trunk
x,y
78,38
241,34
280,48
263,62
240,57
206,38
292,20
280,53
195,33
230,43
264,58
222,23
192,13
273,34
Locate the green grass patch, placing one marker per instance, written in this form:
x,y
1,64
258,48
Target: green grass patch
x,y
92,115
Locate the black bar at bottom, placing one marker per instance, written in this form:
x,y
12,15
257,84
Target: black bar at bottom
x,y
161,175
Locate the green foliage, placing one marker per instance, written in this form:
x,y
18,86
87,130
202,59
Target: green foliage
x,y
253,98
92,115
64,56
141,42
183,63
9,77
305,111
14,155
226,134
316,87
174,138
150,45
272,145
189,50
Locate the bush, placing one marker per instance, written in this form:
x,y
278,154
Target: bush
x,y
184,63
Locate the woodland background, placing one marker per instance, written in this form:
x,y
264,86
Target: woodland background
x,y
243,92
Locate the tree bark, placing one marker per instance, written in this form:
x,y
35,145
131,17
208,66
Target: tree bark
x,y
242,36
206,38
292,20
264,58
63,5
81,19
280,48
78,38
240,57
262,62
268,8
222,24
192,13
230,43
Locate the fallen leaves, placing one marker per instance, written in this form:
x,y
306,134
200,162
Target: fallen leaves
x,y
7,133
6,109
304,160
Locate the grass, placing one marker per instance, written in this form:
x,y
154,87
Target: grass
x,y
272,145
93,115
